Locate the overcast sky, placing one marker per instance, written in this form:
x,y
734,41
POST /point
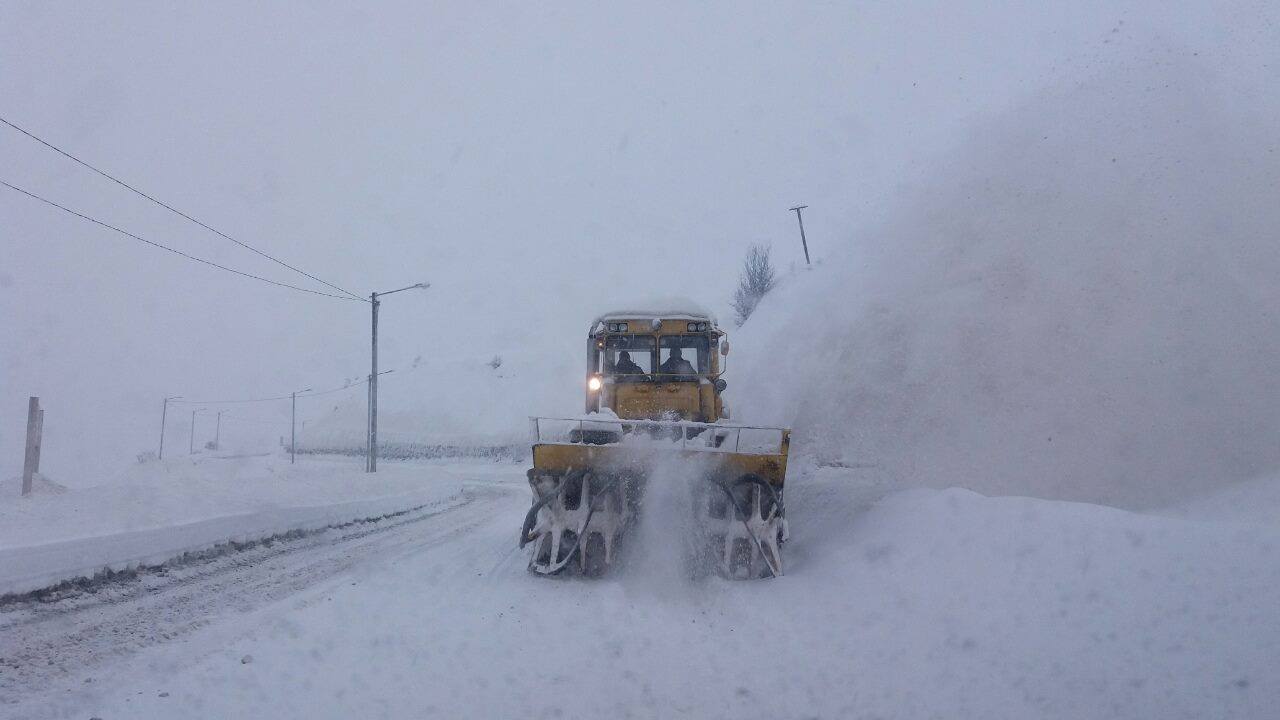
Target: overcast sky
x,y
534,163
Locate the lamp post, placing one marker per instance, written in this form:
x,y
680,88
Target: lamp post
x,y
164,414
293,423
368,398
371,464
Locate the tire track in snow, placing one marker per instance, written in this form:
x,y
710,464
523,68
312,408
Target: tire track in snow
x,y
49,646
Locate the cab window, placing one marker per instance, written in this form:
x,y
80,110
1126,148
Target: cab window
x,y
628,355
693,350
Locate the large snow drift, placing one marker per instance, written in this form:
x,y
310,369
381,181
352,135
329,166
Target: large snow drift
x,y
1081,305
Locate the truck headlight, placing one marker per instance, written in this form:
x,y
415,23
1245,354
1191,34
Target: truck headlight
x,y
593,384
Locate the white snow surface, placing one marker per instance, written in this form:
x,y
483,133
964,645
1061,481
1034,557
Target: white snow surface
x,y
918,604
154,512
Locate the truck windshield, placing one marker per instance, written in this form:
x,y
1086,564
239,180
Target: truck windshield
x,y
683,357
628,355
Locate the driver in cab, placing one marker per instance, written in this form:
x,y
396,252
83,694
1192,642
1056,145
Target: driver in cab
x,y
677,365
626,366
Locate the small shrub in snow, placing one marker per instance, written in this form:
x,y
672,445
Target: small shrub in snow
x,y
754,282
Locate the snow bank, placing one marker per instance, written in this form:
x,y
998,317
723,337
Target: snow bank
x,y
1080,305
160,510
960,605
40,485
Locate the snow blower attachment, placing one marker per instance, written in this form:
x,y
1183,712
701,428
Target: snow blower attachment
x,y
654,411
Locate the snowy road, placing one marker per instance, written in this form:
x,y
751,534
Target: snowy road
x,y
52,646
927,604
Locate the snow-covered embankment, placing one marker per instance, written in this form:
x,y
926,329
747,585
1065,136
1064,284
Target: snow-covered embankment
x,y
161,510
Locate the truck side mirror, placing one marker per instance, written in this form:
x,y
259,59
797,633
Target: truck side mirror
x,y
724,347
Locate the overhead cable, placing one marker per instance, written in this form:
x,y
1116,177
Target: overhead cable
x,y
188,256
172,209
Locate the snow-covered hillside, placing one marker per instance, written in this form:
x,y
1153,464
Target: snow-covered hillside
x,y
1081,304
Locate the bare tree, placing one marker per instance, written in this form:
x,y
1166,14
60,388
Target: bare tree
x,y
754,282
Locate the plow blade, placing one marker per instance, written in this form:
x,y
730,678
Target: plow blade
x,y
589,483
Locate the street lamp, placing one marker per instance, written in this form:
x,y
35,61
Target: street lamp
x,y
371,464
293,421
163,414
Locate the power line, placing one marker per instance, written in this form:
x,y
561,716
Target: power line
x,y
230,402
126,233
268,399
334,390
172,209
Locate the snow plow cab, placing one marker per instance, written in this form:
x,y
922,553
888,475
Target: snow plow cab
x,y
654,414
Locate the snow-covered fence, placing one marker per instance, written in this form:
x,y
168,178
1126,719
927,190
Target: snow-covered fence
x,y
425,451
35,428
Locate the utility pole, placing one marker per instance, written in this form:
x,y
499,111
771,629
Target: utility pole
x,y
293,424
368,440
163,414
217,433
192,449
35,428
371,463
800,219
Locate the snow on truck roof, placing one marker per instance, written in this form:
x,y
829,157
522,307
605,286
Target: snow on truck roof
x,y
659,308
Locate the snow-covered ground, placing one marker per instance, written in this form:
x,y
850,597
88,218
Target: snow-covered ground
x,y
152,512
915,603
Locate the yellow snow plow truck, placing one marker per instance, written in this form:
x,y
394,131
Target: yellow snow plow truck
x,y
655,415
